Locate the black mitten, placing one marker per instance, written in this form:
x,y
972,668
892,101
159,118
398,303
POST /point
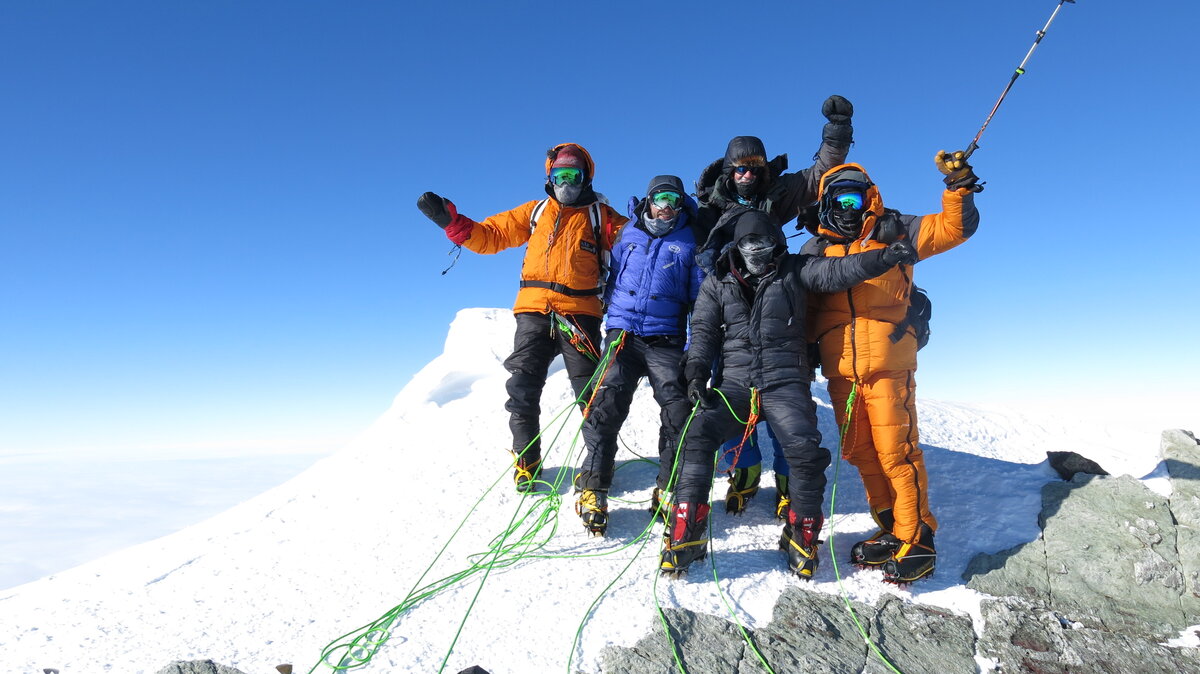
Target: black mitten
x,y
434,208
837,109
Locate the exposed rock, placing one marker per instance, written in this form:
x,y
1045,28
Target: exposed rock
x,y
1067,464
916,638
809,632
1181,453
1108,556
198,667
1022,637
705,644
812,632
1017,572
1111,556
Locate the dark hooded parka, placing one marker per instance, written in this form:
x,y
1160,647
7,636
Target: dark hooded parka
x,y
781,195
756,323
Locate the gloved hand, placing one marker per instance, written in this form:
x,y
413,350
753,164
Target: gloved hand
x,y
958,172
837,109
438,209
899,252
697,391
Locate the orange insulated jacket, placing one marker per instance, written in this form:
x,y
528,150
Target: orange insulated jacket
x,y
855,328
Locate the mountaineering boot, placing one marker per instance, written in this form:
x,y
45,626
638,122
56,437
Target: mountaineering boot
x,y
743,485
782,501
912,561
686,543
592,507
880,546
799,541
527,471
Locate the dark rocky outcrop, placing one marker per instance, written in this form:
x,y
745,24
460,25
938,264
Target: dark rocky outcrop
x,y
1068,464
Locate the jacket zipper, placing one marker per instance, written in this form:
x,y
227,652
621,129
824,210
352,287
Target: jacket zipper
x,y
853,326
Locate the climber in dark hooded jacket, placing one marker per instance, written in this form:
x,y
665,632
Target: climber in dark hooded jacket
x,y
744,177
751,312
653,282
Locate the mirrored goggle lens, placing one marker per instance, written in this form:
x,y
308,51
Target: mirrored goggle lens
x,y
566,176
849,201
740,170
665,199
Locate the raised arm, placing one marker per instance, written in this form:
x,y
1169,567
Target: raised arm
x,y
836,137
499,232
958,220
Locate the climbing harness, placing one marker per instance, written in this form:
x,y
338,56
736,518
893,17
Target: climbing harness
x,y
575,334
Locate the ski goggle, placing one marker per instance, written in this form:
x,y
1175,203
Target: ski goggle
x,y
849,201
667,200
741,170
566,176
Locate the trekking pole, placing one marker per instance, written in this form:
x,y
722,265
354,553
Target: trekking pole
x,y
1019,71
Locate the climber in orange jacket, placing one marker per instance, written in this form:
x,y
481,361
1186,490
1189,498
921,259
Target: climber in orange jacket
x,y
868,350
558,309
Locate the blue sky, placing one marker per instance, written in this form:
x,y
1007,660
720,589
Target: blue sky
x,y
208,239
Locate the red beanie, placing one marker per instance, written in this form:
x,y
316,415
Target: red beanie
x,y
570,156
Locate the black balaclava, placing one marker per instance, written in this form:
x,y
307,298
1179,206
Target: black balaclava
x,y
757,241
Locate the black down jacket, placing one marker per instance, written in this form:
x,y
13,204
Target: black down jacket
x,y
760,335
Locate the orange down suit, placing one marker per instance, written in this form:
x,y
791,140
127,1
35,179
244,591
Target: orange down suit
x,y
854,331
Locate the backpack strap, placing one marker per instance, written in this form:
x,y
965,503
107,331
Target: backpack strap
x,y
596,218
916,317
596,215
537,213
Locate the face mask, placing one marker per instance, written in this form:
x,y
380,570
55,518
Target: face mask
x,y
843,213
658,227
746,190
567,195
847,224
757,250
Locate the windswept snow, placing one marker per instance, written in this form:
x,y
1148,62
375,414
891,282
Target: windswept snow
x,y
277,578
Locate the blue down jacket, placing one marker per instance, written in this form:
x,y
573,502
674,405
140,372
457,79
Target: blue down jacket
x,y
653,281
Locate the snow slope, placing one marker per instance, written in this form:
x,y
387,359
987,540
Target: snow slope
x,y
277,578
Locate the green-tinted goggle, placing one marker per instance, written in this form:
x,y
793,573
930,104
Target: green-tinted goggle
x,y
566,176
667,199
